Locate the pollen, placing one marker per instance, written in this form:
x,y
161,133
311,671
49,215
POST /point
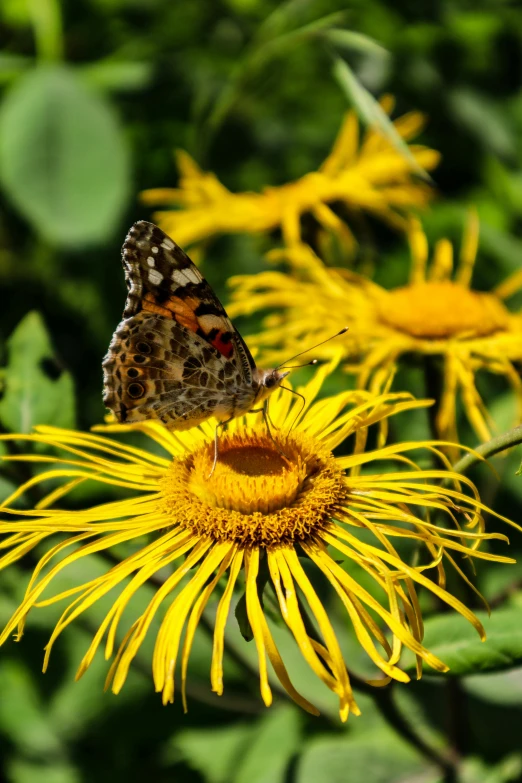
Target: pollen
x,y
261,492
442,309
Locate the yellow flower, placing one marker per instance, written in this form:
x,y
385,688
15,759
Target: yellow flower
x,y
251,524
371,176
435,314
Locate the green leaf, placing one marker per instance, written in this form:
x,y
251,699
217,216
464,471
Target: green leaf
x,y
11,65
475,770
212,752
503,688
14,13
63,158
371,112
276,739
27,725
266,51
118,75
354,41
36,390
452,639
289,16
23,771
6,487
379,756
258,753
243,622
485,120
263,50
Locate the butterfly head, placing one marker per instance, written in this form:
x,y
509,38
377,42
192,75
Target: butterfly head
x,y
268,381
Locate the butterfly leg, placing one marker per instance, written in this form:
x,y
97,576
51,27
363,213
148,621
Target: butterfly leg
x,y
268,416
267,420
219,425
269,425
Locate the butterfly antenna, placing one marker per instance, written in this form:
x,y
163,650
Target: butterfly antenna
x,y
297,366
332,337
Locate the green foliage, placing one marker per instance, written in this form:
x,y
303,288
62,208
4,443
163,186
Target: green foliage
x,y
370,111
63,157
35,388
95,93
258,753
452,639
375,756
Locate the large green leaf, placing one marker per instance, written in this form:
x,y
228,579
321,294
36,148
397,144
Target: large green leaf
x,y
379,756
257,753
275,740
63,158
26,726
504,688
452,639
212,752
35,389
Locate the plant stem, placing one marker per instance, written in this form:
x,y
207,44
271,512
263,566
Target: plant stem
x,y
494,446
433,382
384,699
48,30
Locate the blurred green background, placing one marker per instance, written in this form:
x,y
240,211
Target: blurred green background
x,y
95,97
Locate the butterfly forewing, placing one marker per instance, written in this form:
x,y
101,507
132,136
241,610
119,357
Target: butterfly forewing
x,y
176,355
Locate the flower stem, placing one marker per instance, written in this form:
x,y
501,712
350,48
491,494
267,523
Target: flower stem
x,y
494,446
433,383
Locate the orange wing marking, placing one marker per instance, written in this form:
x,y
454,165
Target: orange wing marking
x,y
180,310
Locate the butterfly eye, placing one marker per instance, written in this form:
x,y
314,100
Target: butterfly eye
x,y
270,381
143,347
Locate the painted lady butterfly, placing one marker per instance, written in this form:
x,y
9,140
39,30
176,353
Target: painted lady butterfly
x,y
176,356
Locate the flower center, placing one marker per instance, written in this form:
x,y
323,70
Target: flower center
x,y
442,309
255,494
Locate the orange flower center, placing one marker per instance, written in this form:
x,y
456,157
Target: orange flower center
x,y
442,309
255,494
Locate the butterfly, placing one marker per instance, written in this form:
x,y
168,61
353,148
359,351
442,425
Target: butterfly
x,y
176,356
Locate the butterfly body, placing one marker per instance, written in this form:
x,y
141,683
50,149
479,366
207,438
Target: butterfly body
x,y
176,356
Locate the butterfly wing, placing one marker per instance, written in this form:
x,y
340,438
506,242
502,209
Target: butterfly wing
x,y
175,355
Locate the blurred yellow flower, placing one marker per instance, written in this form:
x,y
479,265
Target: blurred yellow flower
x,y
372,176
250,525
436,315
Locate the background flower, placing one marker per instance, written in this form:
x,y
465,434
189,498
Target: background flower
x,y
368,176
436,317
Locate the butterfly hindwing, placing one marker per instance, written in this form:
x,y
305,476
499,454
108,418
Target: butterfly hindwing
x,y
153,371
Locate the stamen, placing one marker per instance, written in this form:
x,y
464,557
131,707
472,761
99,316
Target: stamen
x,y
255,494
